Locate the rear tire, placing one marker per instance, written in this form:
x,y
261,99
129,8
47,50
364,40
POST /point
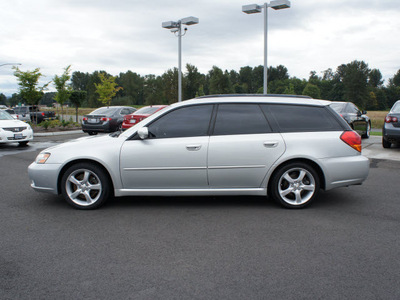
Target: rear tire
x,y
294,185
92,133
85,186
386,144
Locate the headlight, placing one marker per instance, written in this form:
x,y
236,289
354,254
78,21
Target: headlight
x,y
42,158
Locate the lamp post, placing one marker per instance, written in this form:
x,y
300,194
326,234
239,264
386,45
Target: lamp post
x,y
176,28
10,64
255,8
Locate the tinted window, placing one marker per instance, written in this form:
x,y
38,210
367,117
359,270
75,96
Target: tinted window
x,y
302,118
338,107
147,110
125,111
104,111
240,119
183,122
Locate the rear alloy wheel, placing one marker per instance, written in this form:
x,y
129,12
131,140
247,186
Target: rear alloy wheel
x,y
85,186
295,185
386,143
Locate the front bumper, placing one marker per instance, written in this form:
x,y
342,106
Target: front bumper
x,y
15,137
44,177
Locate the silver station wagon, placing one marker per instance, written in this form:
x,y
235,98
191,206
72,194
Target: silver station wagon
x,y
284,147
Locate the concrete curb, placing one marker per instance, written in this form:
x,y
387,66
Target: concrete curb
x,y
57,133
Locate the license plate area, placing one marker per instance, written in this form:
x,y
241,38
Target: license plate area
x,y
132,121
93,120
18,136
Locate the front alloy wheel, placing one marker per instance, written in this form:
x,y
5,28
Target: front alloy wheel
x,y
295,185
85,186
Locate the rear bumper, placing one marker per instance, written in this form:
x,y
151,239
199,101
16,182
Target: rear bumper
x,y
391,133
97,127
345,171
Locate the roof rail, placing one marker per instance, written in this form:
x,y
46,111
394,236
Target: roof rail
x,y
253,95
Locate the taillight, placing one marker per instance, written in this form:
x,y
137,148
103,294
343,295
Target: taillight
x,y
43,114
390,119
105,119
353,139
84,119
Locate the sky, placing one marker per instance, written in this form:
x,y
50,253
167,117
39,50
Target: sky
x,y
121,35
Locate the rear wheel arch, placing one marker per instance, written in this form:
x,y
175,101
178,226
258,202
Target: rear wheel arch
x,y
312,163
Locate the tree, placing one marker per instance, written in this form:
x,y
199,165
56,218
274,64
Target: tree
x,y
375,78
354,77
312,90
219,82
107,88
193,80
29,88
77,98
3,99
63,90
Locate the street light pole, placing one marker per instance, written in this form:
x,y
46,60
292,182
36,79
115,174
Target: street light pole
x,y
176,27
255,8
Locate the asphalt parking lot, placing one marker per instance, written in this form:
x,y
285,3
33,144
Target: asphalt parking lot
x,y
345,246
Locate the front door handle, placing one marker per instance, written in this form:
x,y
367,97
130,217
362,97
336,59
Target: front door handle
x,y
193,147
271,144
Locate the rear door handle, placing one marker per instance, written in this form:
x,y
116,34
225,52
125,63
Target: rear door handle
x,y
271,144
193,147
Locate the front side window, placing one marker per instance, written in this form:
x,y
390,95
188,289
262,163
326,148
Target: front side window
x,y
183,122
240,119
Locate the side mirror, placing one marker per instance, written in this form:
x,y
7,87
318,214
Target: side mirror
x,y
364,112
143,133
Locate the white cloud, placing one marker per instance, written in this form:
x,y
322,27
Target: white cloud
x,y
122,35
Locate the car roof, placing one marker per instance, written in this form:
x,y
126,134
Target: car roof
x,y
257,98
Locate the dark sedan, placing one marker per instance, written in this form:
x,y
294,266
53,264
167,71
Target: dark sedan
x,y
105,119
357,119
391,128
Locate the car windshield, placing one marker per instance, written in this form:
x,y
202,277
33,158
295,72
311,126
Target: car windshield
x,y
104,111
147,110
5,116
338,107
10,111
396,107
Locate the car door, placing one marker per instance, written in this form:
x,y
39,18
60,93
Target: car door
x,y
175,154
359,123
242,147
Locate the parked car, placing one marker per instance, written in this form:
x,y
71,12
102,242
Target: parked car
x,y
33,114
14,131
105,119
3,106
357,119
284,147
22,113
11,112
139,115
391,127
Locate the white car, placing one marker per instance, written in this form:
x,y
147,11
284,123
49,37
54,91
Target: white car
x,y
14,131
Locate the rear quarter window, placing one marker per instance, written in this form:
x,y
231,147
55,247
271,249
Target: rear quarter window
x,y
302,118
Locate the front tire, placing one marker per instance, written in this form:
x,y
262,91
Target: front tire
x,y
23,144
85,186
368,131
295,185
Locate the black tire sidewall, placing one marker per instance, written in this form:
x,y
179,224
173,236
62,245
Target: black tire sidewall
x,y
273,186
105,185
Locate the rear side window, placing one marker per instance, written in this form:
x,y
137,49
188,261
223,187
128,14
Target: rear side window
x,y
240,119
301,118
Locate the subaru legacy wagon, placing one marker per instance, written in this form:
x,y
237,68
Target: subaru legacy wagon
x,y
287,148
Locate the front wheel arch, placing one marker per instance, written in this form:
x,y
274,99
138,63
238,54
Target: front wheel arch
x,y
68,165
